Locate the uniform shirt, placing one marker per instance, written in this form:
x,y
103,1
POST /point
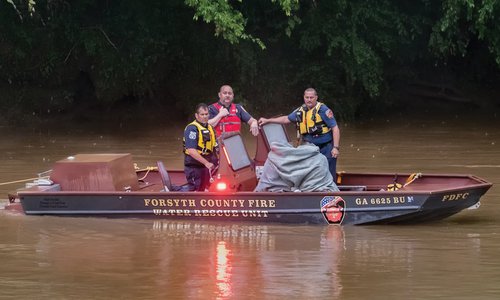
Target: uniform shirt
x,y
240,112
326,115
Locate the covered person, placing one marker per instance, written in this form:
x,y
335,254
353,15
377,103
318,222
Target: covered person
x,y
301,169
317,125
199,150
226,116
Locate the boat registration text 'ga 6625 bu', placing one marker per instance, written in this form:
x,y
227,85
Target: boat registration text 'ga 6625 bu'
x,y
383,200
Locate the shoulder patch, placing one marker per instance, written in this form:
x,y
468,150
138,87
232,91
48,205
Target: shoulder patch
x,y
329,113
192,135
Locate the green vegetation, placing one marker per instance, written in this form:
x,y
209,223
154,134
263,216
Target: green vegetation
x,y
85,57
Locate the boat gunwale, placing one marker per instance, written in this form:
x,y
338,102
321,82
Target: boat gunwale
x,y
479,183
245,193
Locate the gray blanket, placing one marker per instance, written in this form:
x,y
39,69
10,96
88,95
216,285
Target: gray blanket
x,y
295,169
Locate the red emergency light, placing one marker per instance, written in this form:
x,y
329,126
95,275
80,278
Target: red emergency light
x,y
221,186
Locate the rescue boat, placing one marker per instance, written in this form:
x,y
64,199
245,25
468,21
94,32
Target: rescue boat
x,y
110,185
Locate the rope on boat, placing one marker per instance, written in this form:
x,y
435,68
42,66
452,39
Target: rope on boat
x,y
412,178
23,180
147,169
396,186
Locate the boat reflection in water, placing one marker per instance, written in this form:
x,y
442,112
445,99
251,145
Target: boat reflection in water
x,y
258,261
223,270
309,262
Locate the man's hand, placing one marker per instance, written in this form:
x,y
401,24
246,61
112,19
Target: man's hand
x,y
263,121
335,152
254,128
223,112
209,165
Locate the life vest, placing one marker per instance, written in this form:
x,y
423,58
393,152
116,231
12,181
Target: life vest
x,y
206,139
229,123
310,122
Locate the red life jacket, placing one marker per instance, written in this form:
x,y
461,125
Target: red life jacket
x,y
229,123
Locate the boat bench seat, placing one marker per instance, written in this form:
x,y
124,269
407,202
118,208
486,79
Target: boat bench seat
x,y
148,186
352,187
45,188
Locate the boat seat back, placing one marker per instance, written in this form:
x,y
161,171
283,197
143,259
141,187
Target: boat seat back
x,y
269,133
165,178
43,188
236,169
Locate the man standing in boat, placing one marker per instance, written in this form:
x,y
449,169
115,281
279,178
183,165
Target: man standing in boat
x,y
226,116
199,148
315,124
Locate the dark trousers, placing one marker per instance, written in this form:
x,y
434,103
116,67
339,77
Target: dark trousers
x,y
198,178
326,150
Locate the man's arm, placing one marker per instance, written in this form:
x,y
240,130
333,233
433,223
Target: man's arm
x,y
246,117
279,120
221,114
327,116
336,141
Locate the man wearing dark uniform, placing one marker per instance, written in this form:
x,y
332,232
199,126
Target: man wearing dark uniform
x,y
199,148
317,125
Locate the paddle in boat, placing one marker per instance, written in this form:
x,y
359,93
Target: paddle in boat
x,y
109,185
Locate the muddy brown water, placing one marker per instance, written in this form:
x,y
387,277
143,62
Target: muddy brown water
x,y
99,258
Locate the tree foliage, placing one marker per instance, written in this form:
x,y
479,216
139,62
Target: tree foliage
x,y
61,55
